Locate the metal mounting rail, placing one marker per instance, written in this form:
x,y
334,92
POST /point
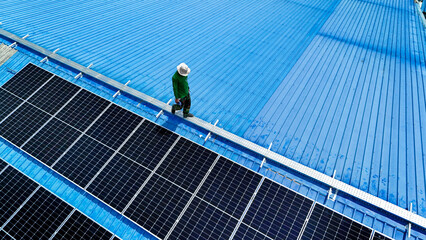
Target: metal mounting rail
x,y
331,182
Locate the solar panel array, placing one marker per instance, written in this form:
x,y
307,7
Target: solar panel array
x,y
29,211
170,186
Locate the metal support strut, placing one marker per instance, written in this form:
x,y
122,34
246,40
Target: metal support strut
x,y
81,74
332,196
15,44
162,110
47,57
119,91
264,159
210,133
409,223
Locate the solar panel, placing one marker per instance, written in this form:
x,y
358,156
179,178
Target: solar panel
x,y
22,124
114,126
41,213
203,221
8,102
277,211
158,205
379,236
52,96
149,144
245,232
83,109
81,163
39,217
325,223
51,141
5,236
229,187
26,81
15,188
78,226
118,182
187,164
3,165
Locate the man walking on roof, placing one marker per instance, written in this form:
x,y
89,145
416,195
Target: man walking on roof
x,y
181,90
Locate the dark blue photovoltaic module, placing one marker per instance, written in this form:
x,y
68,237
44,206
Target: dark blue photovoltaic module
x,y
27,81
325,223
277,211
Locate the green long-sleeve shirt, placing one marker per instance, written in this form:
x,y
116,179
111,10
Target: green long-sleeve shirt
x,y
180,85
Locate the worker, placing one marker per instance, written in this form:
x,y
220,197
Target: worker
x,y
181,90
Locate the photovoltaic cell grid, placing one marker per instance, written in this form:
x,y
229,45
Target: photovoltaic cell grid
x,y
187,164
149,144
3,165
325,223
158,205
203,221
23,123
246,232
51,141
118,182
29,212
82,110
5,236
27,81
79,226
114,126
39,217
222,187
277,211
83,160
114,160
8,102
15,188
53,95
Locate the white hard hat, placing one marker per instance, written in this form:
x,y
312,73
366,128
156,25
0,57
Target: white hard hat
x,y
183,69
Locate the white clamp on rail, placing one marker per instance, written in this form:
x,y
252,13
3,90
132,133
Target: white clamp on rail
x,y
47,57
162,110
409,224
119,91
81,74
210,133
264,159
15,44
332,196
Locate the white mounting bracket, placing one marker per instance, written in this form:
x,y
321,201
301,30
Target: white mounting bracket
x,y
81,74
119,91
210,133
15,44
332,196
409,224
46,59
162,111
264,159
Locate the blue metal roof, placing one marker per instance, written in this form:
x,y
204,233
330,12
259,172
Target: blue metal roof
x,y
358,210
335,85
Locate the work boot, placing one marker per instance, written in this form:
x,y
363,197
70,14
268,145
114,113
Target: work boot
x,y
173,109
185,115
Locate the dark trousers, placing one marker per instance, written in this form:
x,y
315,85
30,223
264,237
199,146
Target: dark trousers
x,y
185,103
